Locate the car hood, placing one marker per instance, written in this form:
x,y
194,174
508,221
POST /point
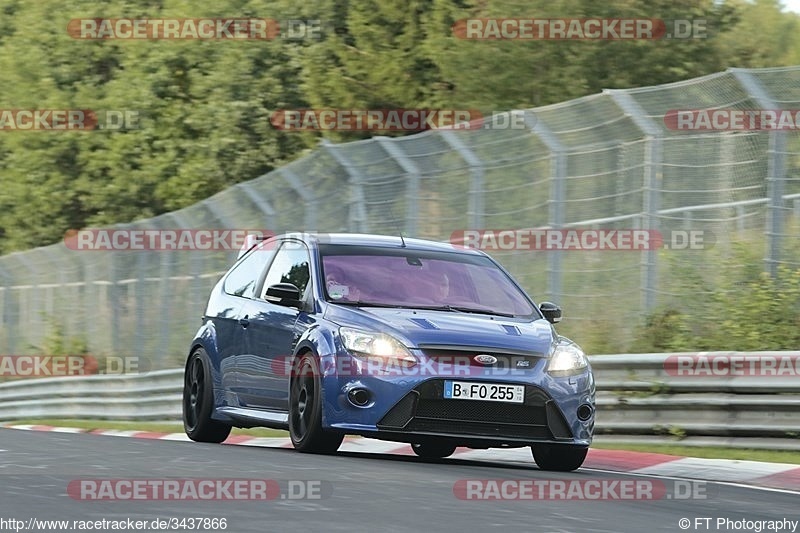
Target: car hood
x,y
445,328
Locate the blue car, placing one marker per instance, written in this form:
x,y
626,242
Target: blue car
x,y
405,340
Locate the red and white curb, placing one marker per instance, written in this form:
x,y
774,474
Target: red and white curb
x,y
771,475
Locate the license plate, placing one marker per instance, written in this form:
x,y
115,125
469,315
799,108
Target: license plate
x,y
488,392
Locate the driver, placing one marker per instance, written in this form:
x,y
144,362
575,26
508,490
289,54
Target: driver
x,y
441,289
340,286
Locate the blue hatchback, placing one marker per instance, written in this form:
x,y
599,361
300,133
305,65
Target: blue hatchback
x,y
397,339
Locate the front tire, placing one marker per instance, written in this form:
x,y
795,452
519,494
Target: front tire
x,y
559,457
433,450
198,402
305,410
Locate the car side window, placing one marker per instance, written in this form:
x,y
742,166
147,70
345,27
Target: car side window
x,y
243,278
290,266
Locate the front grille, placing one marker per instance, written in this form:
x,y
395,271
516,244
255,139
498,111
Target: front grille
x,y
475,410
401,413
425,410
477,429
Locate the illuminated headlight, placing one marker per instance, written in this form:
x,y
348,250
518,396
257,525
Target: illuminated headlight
x,y
370,344
567,360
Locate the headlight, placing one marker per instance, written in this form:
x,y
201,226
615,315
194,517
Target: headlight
x,y
568,360
369,344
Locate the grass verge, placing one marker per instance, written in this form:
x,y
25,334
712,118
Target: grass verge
x,y
716,452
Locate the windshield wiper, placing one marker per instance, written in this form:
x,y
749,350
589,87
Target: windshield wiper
x,y
452,308
460,309
360,303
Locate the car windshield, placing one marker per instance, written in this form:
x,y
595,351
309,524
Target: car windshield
x,y
450,281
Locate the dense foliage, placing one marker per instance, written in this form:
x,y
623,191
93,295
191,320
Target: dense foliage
x,y
205,105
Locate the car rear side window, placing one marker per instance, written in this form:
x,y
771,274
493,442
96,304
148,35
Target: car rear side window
x,y
243,278
290,266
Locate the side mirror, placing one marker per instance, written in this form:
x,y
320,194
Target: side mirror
x,y
551,312
284,294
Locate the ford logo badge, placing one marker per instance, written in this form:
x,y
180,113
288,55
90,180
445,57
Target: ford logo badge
x,y
485,359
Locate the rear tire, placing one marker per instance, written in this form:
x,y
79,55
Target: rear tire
x,y
198,402
433,450
559,457
305,410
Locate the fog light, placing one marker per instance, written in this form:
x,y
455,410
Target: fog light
x,y
358,397
585,412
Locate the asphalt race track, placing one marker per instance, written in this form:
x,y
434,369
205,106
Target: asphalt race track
x,y
361,491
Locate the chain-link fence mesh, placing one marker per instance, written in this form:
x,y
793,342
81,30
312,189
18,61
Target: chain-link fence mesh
x,y
603,161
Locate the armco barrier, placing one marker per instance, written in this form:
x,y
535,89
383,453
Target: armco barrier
x,y
638,399
151,396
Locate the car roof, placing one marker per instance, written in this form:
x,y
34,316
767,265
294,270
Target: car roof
x,y
387,241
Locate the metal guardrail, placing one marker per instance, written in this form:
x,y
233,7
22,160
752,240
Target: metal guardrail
x,y
151,396
638,399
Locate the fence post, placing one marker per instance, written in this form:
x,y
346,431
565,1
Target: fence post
x,y
309,200
651,184
257,199
9,328
727,155
34,304
558,194
476,209
113,302
358,204
412,189
165,274
776,184
776,171
222,216
144,260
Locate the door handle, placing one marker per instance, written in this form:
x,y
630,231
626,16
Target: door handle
x,y
244,322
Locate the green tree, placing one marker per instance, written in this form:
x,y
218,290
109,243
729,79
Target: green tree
x,y
205,105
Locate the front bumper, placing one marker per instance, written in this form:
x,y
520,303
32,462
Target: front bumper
x,y
413,409
424,410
